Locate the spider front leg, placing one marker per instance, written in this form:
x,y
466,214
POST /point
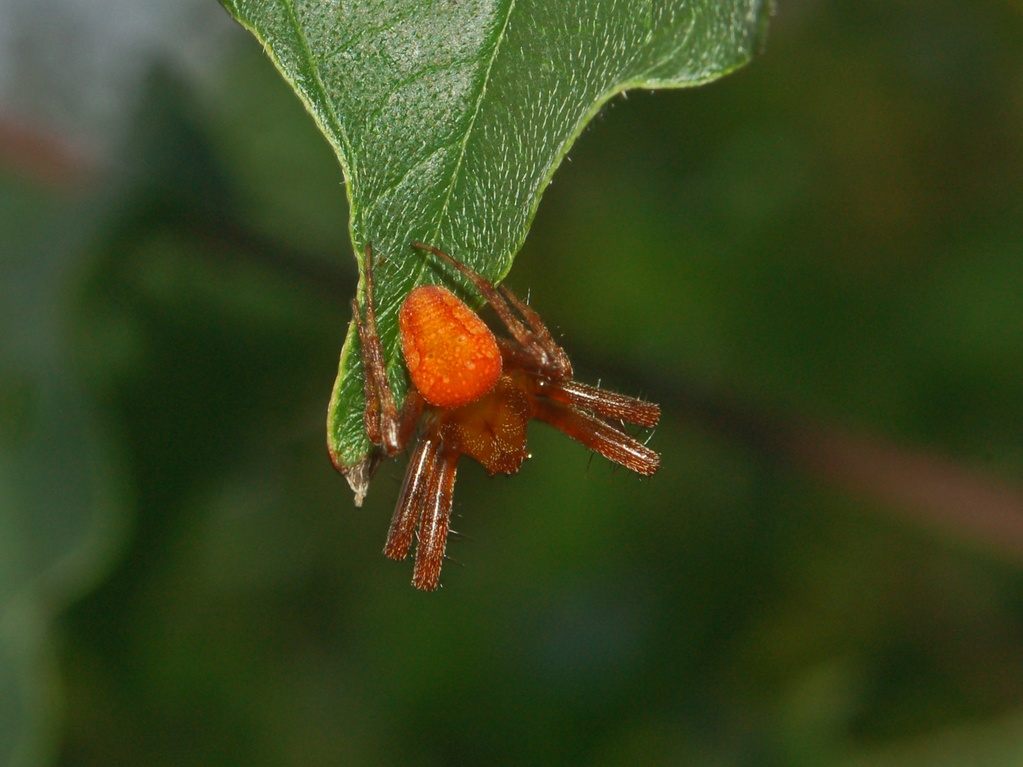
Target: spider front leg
x,y
425,499
434,524
385,426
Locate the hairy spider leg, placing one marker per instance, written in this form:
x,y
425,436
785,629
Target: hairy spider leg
x,y
608,404
555,363
425,500
598,435
384,425
412,498
434,523
378,397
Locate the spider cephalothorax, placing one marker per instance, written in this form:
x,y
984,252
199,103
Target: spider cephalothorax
x,y
473,394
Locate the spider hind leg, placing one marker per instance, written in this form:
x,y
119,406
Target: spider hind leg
x,y
607,404
598,435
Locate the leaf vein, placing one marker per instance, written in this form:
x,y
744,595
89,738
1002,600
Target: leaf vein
x,y
336,126
474,114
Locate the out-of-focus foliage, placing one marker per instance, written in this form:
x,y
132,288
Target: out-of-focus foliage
x,y
833,233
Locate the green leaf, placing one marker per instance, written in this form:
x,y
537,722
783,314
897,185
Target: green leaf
x,y
450,117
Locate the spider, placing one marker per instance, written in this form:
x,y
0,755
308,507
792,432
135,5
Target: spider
x,y
473,394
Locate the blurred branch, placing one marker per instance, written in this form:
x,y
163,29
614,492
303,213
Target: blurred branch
x,y
926,487
230,239
929,488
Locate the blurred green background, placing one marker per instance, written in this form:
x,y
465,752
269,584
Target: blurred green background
x,y
815,265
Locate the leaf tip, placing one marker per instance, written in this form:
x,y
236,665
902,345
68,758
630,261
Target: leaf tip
x,y
358,474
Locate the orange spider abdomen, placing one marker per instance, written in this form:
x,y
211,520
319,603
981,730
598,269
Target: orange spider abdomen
x,y
452,357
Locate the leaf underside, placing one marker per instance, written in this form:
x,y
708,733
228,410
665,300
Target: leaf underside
x,y
450,117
